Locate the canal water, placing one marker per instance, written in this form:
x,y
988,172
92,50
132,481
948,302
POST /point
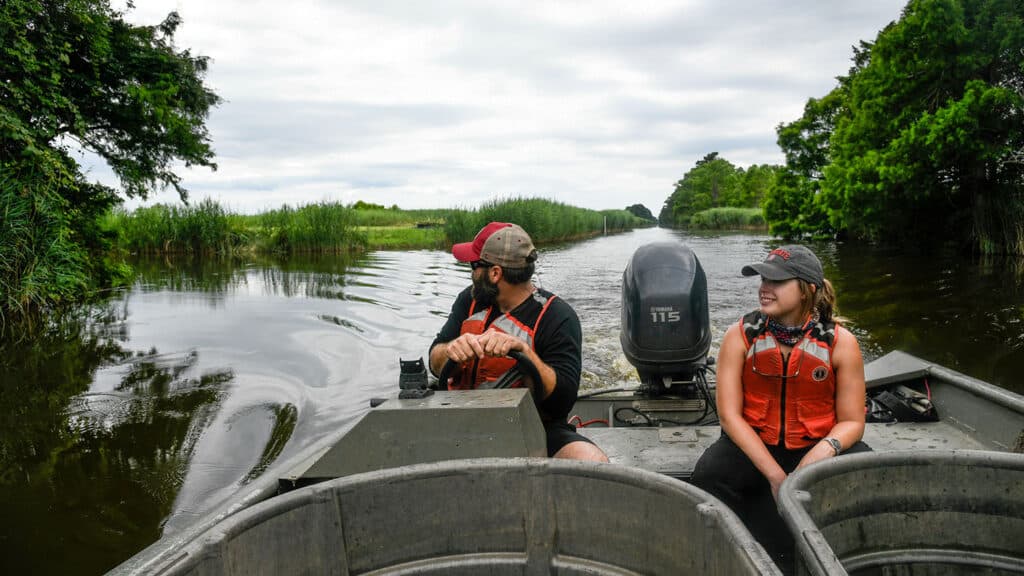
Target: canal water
x,y
136,417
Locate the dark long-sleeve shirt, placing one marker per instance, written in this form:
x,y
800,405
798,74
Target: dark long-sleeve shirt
x,y
558,342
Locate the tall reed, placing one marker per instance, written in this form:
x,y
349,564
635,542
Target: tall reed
x,y
208,228
397,217
726,218
40,263
545,220
320,227
196,229
333,227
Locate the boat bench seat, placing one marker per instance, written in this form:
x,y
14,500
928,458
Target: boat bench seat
x,y
674,451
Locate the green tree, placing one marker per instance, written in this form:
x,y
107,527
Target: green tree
x,y
755,184
928,140
792,209
666,218
640,211
805,142
793,205
713,182
76,73
361,205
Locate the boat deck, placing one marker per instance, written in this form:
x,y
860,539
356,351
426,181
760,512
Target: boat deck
x,y
975,416
673,451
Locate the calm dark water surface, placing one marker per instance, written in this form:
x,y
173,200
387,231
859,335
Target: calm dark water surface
x,y
140,417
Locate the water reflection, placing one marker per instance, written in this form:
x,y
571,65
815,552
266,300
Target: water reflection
x,y
86,474
138,419
960,311
189,274
314,276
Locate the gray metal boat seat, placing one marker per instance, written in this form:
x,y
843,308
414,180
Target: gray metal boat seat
x,y
482,516
929,512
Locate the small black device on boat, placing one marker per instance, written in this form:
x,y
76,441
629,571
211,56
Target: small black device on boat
x,y
412,379
666,324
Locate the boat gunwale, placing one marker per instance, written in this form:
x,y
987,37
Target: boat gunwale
x,y
923,368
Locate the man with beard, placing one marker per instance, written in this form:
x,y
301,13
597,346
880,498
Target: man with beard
x,y
502,311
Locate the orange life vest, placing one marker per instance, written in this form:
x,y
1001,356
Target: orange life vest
x,y
487,369
796,401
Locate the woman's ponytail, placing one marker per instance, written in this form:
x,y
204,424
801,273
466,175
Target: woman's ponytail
x,y
825,303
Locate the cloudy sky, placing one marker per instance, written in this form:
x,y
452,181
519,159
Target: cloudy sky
x,y
597,103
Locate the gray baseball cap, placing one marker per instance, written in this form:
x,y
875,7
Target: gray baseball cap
x,y
498,243
785,262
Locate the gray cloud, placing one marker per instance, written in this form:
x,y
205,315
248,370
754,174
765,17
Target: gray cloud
x,y
597,104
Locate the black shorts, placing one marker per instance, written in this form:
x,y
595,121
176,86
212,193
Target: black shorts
x,y
561,433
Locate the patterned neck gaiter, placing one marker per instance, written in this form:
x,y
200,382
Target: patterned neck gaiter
x,y
788,335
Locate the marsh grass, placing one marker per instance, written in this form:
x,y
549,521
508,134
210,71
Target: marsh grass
x,y
208,228
326,227
203,228
40,263
728,218
545,220
398,217
320,227
405,237
43,263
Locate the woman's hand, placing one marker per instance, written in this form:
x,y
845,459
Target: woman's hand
x,y
775,481
821,451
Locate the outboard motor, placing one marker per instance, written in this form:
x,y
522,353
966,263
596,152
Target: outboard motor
x,y
666,325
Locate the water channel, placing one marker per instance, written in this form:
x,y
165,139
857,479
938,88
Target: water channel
x,y
146,412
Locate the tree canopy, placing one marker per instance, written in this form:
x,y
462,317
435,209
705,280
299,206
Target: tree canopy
x,y
922,139
715,182
78,70
641,211
76,73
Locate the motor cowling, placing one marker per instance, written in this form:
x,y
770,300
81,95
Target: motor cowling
x,y
666,325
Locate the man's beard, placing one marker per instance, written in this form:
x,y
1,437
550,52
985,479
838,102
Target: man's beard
x,y
484,291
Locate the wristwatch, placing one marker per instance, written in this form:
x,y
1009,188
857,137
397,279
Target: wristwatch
x,y
835,444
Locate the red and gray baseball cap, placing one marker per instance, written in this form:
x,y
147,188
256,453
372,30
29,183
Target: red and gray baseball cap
x,y
785,262
499,243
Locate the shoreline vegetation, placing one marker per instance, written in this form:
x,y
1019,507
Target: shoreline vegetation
x,y
207,228
729,219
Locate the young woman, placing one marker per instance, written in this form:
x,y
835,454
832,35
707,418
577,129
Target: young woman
x,y
790,391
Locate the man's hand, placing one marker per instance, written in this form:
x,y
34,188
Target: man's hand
x,y
491,343
464,348
494,344
499,344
